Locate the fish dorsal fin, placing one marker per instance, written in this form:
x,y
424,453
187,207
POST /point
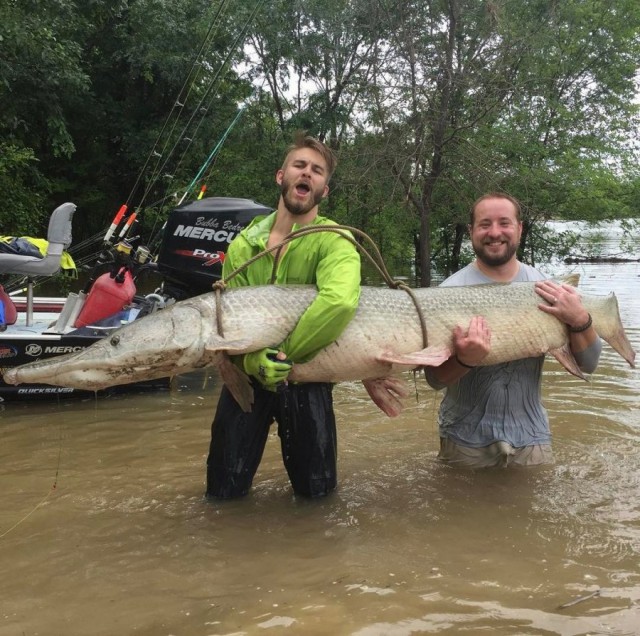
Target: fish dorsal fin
x,y
570,279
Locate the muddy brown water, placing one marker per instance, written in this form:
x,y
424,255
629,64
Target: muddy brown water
x,y
126,544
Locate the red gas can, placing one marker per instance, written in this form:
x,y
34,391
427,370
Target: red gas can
x,y
8,308
106,297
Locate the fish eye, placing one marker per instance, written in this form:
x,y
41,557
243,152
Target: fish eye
x,y
115,341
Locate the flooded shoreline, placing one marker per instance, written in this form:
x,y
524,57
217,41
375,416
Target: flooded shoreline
x,y
127,544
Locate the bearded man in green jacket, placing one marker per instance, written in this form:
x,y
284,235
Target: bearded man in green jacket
x,y
304,412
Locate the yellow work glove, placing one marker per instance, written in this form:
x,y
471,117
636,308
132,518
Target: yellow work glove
x,y
266,367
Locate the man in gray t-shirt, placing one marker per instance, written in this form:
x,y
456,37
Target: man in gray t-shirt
x,y
493,415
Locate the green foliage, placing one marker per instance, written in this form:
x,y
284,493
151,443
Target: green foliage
x,y
247,165
41,74
363,196
529,98
428,105
21,212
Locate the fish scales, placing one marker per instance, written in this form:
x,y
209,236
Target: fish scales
x,y
269,313
388,320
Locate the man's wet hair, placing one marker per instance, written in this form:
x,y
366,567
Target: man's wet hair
x,y
306,141
495,195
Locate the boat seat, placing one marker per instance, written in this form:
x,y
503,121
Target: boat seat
x,y
59,239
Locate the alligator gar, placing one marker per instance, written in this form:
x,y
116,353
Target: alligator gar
x,y
384,338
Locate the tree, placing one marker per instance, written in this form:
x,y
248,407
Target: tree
x,y
90,90
22,205
41,83
428,105
316,59
500,96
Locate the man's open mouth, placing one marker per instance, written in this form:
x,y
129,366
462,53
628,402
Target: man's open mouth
x,y
303,188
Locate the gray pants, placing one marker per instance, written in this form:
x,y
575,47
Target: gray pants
x,y
500,454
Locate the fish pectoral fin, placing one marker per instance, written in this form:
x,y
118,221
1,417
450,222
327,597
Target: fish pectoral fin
x,y
231,347
429,357
565,357
385,393
236,381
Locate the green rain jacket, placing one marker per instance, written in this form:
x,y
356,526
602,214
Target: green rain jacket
x,y
324,259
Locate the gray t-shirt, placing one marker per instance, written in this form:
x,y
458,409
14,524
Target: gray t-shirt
x,y
501,402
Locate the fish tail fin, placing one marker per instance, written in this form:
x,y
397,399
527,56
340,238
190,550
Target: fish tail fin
x,y
619,342
608,325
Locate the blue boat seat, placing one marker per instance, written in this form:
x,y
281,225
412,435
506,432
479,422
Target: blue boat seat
x,y
59,239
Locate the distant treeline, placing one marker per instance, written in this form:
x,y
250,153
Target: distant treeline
x,y
428,105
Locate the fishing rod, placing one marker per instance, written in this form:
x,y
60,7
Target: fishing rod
x,y
201,108
181,99
127,216
141,253
178,106
212,155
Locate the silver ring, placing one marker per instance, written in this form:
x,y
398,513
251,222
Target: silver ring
x,y
554,300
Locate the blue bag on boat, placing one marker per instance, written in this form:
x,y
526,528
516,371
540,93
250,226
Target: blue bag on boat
x,y
19,245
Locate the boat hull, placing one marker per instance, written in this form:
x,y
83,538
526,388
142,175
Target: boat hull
x,y
21,344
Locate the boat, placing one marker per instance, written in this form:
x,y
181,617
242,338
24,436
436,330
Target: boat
x,y
185,258
189,260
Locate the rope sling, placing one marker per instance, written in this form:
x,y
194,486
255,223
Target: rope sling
x,y
376,260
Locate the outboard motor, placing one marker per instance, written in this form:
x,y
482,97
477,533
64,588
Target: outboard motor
x,y
196,238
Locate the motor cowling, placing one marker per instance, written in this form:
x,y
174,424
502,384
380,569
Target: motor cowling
x,y
196,238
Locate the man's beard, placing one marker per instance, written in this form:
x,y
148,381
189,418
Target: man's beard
x,y
299,208
500,259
